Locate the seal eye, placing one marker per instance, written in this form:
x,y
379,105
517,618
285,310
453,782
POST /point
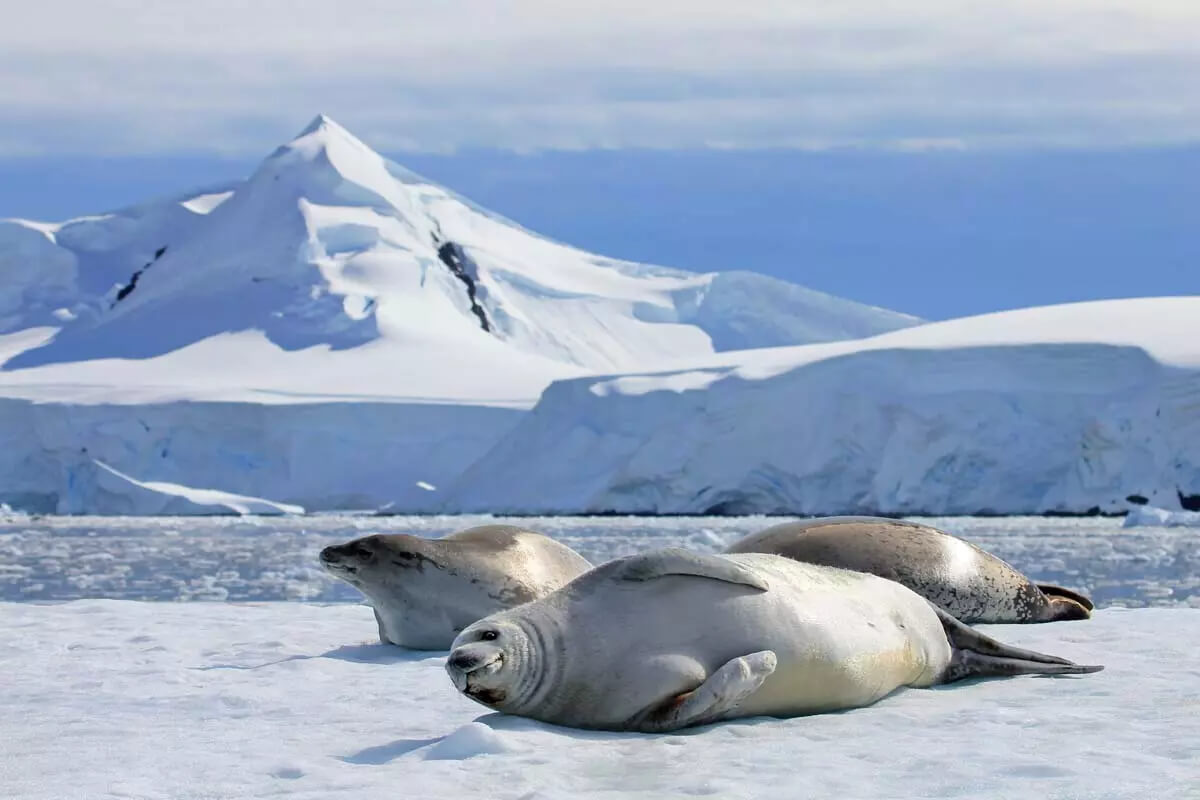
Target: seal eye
x,y
488,636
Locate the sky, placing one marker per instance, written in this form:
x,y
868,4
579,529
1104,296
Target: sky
x,y
941,157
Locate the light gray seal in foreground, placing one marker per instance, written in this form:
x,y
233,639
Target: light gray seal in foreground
x,y
970,583
672,638
424,591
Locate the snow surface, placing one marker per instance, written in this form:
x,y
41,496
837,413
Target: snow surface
x,y
1063,408
117,699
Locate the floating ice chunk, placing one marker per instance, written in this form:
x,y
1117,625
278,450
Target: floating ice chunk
x,y
208,500
1149,516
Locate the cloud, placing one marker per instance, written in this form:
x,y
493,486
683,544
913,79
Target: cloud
x,y
129,76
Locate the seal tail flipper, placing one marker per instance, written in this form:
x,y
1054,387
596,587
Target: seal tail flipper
x,y
1059,591
1065,604
720,694
979,656
969,664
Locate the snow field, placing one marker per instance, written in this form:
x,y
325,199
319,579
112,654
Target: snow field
x,y
1056,409
117,699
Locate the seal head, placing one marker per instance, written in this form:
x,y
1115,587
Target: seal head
x,y
486,661
425,591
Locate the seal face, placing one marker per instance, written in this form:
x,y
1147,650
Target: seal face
x,y
477,665
670,638
424,591
968,582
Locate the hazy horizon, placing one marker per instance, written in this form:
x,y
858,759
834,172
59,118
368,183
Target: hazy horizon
x,y
936,234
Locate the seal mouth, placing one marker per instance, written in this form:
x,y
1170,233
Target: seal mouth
x,y
461,674
333,560
346,557
338,566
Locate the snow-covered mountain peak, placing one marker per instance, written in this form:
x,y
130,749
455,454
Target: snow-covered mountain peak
x,y
330,245
324,123
330,165
320,135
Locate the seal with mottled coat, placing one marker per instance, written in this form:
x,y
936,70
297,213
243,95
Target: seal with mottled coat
x,y
424,591
671,638
959,577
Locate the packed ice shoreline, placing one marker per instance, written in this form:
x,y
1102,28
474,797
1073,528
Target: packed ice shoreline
x,y
108,699
259,559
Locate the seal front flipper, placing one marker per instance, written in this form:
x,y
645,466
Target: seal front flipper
x,y
383,638
978,656
720,694
676,561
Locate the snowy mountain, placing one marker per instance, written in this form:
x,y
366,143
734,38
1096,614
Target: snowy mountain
x,y
332,332
333,271
1064,408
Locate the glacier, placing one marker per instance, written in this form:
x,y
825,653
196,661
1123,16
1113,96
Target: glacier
x,y
1082,408
182,500
1149,516
335,332
363,455
330,332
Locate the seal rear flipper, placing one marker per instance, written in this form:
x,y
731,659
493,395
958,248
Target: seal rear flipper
x,y
712,700
969,664
676,561
1065,604
978,656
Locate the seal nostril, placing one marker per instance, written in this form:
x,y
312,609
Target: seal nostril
x,y
462,661
329,554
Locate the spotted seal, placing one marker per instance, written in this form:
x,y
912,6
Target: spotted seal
x,y
968,582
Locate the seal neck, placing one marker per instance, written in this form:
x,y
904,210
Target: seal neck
x,y
542,660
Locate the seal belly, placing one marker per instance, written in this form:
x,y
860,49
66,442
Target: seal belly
x,y
843,640
867,661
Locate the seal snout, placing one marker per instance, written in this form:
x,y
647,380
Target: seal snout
x,y
334,559
468,664
469,659
347,557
